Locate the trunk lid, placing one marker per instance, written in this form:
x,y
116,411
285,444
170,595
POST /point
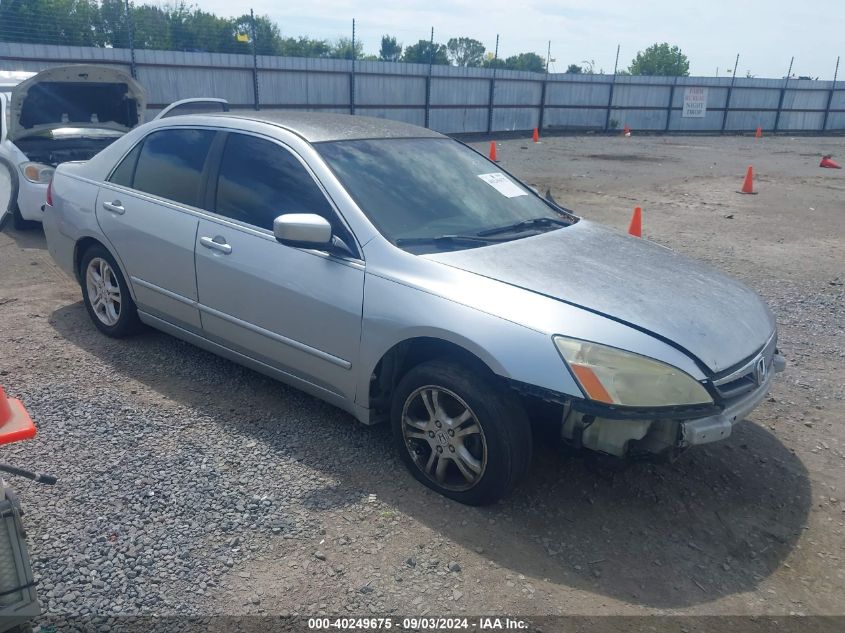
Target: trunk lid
x,y
79,96
714,318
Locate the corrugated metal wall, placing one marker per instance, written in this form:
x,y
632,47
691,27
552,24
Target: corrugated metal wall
x,y
458,100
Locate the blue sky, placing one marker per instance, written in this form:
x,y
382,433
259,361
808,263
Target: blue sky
x,y
711,33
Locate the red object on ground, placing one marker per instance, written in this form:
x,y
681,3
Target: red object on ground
x,y
759,132
15,423
626,131
636,226
536,136
748,185
827,162
493,151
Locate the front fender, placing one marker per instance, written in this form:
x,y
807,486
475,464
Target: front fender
x,y
395,312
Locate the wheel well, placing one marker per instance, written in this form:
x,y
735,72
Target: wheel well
x,y
79,250
400,358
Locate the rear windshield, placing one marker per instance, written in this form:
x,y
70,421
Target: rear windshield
x,y
412,188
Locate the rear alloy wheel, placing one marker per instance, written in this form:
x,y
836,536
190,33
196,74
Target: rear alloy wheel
x,y
106,295
458,434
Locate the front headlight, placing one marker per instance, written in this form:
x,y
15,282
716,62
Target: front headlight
x,y
37,172
614,376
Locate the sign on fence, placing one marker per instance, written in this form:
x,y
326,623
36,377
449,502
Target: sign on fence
x,y
695,102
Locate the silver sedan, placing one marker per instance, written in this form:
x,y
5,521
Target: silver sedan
x,y
403,277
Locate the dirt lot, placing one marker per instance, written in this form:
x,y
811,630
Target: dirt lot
x,y
192,485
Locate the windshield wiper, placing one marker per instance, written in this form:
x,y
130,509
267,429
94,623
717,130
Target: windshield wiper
x,y
445,239
525,224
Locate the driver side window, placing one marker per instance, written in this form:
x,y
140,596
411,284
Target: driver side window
x,y
259,180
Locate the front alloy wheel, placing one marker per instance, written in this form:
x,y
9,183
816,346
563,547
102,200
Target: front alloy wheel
x,y
444,438
460,431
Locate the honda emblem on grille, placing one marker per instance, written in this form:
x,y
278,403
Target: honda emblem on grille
x,y
760,371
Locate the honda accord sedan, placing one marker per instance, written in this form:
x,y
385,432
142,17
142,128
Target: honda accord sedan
x,y
400,275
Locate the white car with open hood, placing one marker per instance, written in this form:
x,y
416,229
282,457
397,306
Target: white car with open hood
x,y
66,113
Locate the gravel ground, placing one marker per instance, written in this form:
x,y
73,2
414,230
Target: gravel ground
x,y
190,485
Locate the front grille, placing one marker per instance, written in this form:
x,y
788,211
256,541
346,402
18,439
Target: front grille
x,y
745,376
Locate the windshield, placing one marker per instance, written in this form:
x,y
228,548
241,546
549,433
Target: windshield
x,y
413,189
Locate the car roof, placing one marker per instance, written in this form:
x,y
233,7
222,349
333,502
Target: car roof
x,y
318,127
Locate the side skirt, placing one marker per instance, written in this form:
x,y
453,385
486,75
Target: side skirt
x,y
363,415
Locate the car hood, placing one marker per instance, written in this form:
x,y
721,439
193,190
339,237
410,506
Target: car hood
x,y
712,317
79,96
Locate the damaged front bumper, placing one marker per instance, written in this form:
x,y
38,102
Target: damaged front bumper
x,y
641,433
718,427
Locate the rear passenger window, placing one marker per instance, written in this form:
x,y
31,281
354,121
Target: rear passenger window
x,y
122,175
171,162
259,180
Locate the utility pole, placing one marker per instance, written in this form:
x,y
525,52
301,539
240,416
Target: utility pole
x,y
728,97
830,96
254,60
612,84
352,74
130,26
783,93
492,88
428,79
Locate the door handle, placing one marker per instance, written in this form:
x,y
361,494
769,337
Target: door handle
x,y
114,207
223,247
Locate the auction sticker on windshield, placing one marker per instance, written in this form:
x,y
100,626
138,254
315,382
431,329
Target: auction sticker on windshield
x,y
502,184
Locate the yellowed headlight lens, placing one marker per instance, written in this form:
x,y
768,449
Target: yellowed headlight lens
x,y
614,376
38,173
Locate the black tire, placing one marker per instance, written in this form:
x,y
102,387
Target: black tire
x,y
12,208
18,220
505,437
126,322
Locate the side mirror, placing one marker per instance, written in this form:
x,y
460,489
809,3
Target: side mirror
x,y
303,229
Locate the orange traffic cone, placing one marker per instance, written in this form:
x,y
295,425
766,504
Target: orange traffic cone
x,y
759,132
748,185
15,423
626,131
827,162
636,226
493,151
536,136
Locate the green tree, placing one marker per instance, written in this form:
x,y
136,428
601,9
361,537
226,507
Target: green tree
x,y
526,61
303,47
342,49
492,62
419,53
465,51
391,50
660,59
574,69
268,39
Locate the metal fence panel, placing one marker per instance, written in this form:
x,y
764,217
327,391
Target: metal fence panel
x,y
459,91
512,93
512,119
458,120
389,90
577,94
459,97
166,84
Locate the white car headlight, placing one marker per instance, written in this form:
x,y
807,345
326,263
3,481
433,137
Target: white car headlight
x,y
37,172
617,377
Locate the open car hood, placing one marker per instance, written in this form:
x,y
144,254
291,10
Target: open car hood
x,y
79,96
712,317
